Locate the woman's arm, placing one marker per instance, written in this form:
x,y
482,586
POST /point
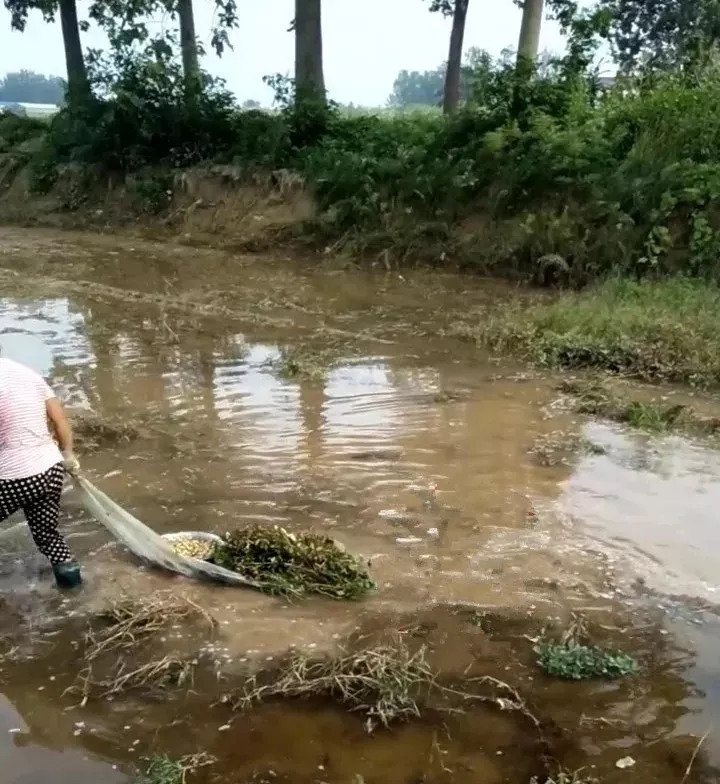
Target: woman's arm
x,y
60,426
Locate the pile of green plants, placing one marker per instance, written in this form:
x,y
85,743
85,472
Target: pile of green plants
x,y
572,657
293,564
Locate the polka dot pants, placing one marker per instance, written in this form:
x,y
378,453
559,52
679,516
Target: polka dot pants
x,y
39,498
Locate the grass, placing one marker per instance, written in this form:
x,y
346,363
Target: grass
x,y
386,683
653,330
593,396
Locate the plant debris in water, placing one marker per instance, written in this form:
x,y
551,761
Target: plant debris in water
x,y
572,658
162,769
92,433
127,623
567,777
293,564
384,683
560,448
387,683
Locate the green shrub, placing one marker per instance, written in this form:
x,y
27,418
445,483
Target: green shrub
x,y
15,130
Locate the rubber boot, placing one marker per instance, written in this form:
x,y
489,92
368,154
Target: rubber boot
x,y
67,575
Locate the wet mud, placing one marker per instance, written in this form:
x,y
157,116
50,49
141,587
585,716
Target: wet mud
x,y
414,451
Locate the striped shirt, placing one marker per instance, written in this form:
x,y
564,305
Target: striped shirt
x,y
26,446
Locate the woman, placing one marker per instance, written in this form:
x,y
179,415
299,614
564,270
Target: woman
x,y
32,466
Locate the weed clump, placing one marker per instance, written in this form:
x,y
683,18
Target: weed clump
x,y
385,683
293,564
573,658
388,682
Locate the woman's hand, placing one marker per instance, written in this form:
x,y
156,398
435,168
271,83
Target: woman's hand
x,y
71,464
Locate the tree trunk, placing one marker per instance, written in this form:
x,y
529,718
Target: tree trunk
x,y
188,47
529,42
309,76
78,84
451,95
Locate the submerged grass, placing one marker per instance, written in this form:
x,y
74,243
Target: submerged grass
x,y
293,564
653,330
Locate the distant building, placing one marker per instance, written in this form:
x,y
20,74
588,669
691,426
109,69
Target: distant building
x,y
29,109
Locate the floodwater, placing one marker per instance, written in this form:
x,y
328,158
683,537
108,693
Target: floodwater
x,y
412,450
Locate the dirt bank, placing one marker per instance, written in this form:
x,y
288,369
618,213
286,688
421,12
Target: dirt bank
x,y
219,206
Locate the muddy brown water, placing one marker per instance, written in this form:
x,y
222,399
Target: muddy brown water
x,y
179,343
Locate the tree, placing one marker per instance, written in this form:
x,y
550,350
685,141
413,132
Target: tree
x,y
662,34
458,10
31,87
426,88
122,21
420,88
529,41
78,86
309,74
189,50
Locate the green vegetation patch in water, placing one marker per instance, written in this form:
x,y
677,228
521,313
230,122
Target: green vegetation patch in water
x,y
294,564
574,658
573,661
652,330
162,769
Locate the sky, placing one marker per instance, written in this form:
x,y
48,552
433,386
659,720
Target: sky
x,y
366,43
